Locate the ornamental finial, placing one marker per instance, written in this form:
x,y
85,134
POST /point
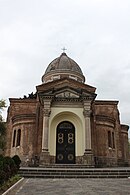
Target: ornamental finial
x,y
64,49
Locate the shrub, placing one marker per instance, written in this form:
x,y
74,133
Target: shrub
x,y
1,157
9,167
2,173
2,176
17,160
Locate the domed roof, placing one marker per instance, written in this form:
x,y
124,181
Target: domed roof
x,y
63,66
63,63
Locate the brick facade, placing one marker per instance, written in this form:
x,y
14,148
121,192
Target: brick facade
x,y
31,120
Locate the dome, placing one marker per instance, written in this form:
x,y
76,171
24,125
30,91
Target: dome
x,y
63,67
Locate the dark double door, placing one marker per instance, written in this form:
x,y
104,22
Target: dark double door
x,y
65,143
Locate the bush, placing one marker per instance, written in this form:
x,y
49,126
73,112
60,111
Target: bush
x,y
1,158
8,167
2,135
17,160
9,183
2,177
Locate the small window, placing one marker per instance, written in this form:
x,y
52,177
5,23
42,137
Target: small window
x,y
109,139
18,137
14,137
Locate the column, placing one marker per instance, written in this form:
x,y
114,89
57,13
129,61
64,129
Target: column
x,y
45,158
88,158
87,114
46,114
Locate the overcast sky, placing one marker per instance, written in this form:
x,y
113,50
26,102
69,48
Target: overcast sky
x,y
96,34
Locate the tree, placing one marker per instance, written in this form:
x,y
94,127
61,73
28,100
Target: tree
x,y
2,106
2,125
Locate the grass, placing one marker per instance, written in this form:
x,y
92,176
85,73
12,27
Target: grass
x,y
9,183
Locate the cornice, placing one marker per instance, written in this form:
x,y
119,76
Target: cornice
x,y
102,118
23,117
64,82
106,102
22,100
64,99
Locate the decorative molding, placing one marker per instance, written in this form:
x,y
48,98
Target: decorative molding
x,y
87,113
24,123
73,77
55,77
124,132
88,97
46,112
58,99
124,127
105,120
44,97
67,94
46,100
23,117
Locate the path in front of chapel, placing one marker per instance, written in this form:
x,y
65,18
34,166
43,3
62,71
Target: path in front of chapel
x,y
74,187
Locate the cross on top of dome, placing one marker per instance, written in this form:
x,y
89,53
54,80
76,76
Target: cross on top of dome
x,y
64,49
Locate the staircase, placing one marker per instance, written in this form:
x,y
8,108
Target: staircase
x,y
73,171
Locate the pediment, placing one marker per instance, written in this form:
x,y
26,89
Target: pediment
x,y
57,84
62,92
67,94
66,88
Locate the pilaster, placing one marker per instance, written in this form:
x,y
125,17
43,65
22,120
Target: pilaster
x,y
45,157
88,158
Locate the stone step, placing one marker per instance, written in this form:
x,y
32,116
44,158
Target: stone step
x,y
73,173
74,176
66,166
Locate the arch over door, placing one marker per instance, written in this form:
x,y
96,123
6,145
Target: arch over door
x,y
65,143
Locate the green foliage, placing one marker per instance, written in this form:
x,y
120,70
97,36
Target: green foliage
x,y
1,158
17,160
2,104
2,135
6,185
2,128
2,176
8,168
2,125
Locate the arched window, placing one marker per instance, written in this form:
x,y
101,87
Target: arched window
x,y
113,139
14,137
18,137
109,139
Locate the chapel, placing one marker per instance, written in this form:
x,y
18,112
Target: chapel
x,y
63,123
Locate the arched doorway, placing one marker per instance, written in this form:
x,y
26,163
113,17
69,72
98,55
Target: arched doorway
x,y
65,143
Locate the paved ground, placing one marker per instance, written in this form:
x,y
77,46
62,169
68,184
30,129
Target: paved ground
x,y
75,187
